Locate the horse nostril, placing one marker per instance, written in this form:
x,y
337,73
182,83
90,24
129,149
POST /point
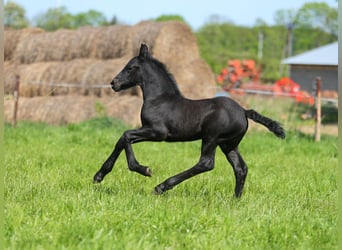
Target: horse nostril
x,y
115,84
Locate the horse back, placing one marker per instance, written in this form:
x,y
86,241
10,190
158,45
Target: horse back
x,y
183,119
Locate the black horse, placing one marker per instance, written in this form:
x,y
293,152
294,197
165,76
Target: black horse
x,y
166,115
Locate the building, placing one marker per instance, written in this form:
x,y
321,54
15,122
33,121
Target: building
x,y
320,62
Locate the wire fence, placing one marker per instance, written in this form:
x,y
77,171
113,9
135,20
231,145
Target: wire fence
x,y
318,99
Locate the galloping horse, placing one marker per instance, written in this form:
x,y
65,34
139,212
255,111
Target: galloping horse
x,y
166,115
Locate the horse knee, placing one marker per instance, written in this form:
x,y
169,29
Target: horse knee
x,y
207,164
125,137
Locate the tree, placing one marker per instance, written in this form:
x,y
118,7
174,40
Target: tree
x,y
318,15
310,16
164,18
15,16
285,17
113,21
91,17
55,18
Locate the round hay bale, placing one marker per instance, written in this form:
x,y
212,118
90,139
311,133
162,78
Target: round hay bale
x,y
102,73
74,109
63,45
144,32
112,42
175,43
82,45
12,38
33,77
10,72
72,57
47,46
195,79
70,73
80,74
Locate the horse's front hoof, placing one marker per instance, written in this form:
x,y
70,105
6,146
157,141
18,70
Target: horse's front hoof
x,y
148,172
97,178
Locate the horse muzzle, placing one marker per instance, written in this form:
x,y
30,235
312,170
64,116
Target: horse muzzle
x,y
116,86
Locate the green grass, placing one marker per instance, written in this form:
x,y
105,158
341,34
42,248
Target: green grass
x,y
289,201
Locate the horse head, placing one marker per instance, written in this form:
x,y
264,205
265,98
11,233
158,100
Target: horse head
x,y
131,75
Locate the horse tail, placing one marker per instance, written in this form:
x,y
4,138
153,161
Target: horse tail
x,y
272,125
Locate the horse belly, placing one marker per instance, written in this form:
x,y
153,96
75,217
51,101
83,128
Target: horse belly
x,y
184,128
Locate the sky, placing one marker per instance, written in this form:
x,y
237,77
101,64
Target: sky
x,y
196,13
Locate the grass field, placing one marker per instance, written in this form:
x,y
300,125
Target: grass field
x,y
289,201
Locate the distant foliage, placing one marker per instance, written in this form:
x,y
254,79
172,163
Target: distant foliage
x,y
15,16
164,18
221,42
57,18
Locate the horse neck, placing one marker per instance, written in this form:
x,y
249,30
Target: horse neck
x,y
158,83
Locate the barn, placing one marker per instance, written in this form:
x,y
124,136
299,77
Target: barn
x,y
320,62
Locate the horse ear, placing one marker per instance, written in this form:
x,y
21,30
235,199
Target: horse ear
x,y
144,53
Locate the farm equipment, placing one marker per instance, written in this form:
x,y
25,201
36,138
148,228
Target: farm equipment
x,y
241,77
237,71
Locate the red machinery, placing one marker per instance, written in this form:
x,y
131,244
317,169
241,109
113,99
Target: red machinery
x,y
289,87
236,71
232,79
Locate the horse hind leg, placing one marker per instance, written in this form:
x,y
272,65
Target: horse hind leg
x,y
239,166
206,163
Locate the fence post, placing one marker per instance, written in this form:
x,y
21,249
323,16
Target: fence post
x,y
318,109
16,99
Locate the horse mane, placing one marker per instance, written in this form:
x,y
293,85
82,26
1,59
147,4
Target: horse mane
x,y
168,73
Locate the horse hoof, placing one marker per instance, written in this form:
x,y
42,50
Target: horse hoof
x,y
148,172
97,179
157,190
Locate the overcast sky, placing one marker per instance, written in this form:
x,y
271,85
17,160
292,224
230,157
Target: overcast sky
x,y
196,13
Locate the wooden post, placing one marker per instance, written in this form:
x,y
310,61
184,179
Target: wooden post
x,y
318,109
16,99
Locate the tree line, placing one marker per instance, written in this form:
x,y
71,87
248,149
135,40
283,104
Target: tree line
x,y
295,31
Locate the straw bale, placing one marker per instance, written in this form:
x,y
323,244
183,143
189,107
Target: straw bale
x,y
47,46
12,38
195,79
102,72
168,41
36,77
76,56
144,32
74,109
175,44
82,45
113,42
10,72
31,75
63,45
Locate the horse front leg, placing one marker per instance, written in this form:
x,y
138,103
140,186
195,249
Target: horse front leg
x,y
131,137
108,165
124,143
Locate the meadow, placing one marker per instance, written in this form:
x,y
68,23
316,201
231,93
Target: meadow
x,y
289,200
